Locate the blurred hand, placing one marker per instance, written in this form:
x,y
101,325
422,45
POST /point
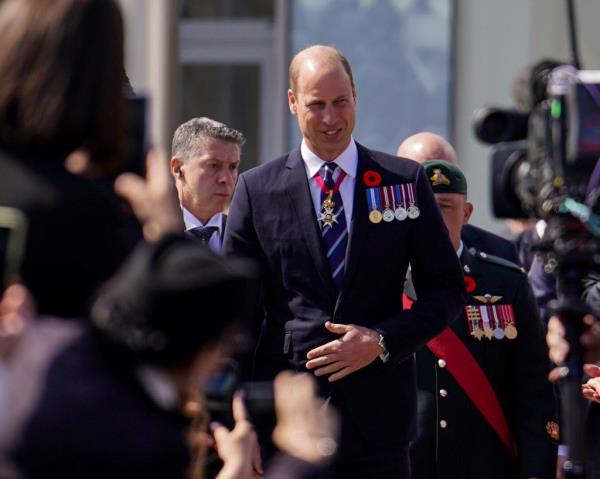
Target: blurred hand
x,y
358,347
555,338
591,389
559,347
306,427
17,308
238,448
152,198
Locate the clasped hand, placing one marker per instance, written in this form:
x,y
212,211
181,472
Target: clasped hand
x,y
356,348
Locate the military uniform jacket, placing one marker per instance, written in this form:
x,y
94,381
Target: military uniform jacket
x,y
454,439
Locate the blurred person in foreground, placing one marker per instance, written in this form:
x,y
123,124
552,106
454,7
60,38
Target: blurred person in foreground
x,y
590,342
108,398
61,97
426,146
486,408
205,158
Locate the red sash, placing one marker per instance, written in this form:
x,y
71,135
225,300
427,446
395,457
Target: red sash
x,y
467,373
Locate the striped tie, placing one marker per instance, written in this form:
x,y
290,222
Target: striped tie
x,y
335,234
203,233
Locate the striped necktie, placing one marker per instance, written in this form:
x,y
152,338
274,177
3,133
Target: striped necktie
x,y
333,222
203,233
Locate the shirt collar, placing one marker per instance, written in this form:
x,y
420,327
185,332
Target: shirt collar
x,y
347,160
192,222
459,251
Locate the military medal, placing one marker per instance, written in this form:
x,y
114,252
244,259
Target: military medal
x,y
375,216
499,333
413,209
507,316
400,212
510,331
374,201
474,320
388,213
492,319
327,216
489,324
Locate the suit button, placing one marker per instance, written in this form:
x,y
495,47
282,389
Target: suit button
x,y
443,393
441,363
443,424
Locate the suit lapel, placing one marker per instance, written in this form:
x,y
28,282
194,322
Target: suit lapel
x,y
301,202
358,225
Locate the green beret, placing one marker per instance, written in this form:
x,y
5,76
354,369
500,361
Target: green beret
x,y
445,177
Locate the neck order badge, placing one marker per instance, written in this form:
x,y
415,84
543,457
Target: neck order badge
x,y
333,221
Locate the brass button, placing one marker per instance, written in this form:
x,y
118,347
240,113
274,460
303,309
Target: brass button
x,y
441,363
443,424
443,393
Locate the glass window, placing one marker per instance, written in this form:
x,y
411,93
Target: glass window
x,y
226,93
400,52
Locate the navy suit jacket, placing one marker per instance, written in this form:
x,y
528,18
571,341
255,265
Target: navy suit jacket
x,y
272,220
490,243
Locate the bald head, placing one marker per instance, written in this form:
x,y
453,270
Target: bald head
x,y
315,58
426,146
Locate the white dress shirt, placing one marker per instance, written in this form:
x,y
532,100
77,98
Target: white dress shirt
x,y
192,222
347,161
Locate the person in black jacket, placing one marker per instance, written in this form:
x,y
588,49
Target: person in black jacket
x,y
486,408
321,222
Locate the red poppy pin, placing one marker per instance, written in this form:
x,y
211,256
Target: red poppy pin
x,y
470,284
372,178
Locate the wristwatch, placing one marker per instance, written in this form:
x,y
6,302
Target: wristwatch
x,y
385,354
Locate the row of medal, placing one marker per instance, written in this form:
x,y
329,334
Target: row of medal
x,y
491,321
394,202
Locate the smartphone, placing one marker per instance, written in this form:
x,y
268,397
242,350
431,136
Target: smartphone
x,y
137,134
258,396
13,230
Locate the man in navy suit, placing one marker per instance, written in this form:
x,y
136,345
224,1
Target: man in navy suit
x,y
427,146
334,226
204,163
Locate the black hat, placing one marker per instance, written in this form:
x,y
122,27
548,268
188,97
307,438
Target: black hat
x,y
172,298
445,177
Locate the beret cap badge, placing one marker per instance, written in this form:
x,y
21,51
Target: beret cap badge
x,y
438,178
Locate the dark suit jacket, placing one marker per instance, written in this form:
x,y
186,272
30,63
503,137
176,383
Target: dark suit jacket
x,y
490,243
272,220
80,412
467,447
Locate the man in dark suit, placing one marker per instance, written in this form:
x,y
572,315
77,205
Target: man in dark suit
x,y
334,226
486,408
427,146
205,160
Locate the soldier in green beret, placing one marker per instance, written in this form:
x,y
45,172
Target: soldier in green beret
x,y
486,408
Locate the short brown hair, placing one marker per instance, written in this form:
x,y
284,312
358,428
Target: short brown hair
x,y
61,67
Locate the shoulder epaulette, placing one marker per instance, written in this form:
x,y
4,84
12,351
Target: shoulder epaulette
x,y
489,258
